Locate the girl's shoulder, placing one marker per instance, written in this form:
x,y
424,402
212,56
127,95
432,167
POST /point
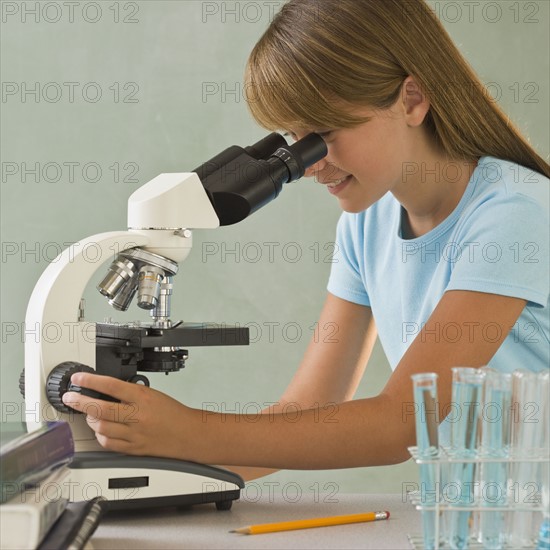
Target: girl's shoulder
x,y
507,204
508,182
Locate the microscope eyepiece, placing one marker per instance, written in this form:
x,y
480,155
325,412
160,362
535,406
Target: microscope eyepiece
x,y
301,155
310,149
264,148
259,150
253,178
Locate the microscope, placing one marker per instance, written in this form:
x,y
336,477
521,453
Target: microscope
x,y
161,216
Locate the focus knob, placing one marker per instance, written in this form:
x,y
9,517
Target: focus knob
x,y
58,383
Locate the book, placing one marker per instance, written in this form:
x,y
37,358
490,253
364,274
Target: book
x,y
27,458
75,526
26,518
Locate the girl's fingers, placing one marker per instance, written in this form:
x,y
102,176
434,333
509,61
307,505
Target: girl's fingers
x,y
98,410
124,391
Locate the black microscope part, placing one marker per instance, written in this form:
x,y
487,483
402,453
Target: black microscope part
x,y
122,350
240,181
91,393
59,382
262,149
310,149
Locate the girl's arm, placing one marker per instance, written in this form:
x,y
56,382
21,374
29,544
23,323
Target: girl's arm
x,y
363,432
333,364
336,357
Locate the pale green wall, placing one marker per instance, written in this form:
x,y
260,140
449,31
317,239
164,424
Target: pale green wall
x,y
169,55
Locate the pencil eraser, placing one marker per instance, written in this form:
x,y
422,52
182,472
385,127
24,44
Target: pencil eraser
x,y
388,513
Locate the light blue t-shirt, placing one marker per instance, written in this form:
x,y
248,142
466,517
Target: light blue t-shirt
x,y
495,241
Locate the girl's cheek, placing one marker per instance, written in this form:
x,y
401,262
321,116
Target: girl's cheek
x,y
332,171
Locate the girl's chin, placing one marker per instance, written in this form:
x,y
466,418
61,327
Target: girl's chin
x,y
352,210
353,207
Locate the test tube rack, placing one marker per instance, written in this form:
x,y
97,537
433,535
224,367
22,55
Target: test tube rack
x,y
445,501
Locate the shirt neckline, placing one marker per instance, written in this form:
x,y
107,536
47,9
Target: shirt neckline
x,y
451,219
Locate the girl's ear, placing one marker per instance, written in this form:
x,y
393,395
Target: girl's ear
x,y
414,101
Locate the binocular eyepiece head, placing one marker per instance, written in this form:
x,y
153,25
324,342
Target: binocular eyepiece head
x,y
240,181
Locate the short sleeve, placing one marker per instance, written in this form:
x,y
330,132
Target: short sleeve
x,y
503,248
346,280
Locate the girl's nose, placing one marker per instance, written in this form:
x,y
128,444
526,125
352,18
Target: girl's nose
x,y
315,168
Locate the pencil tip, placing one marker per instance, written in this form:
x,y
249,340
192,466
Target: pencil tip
x,y
242,531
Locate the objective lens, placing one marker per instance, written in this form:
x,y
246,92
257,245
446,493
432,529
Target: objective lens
x,y
124,296
120,271
162,310
150,279
138,270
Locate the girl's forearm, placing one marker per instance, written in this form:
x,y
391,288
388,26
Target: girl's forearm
x,y
365,432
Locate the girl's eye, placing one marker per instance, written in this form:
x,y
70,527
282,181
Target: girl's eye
x,y
325,134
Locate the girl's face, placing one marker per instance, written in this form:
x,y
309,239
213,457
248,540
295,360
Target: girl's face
x,y
365,162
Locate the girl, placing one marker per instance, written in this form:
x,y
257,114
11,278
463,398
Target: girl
x,y
438,190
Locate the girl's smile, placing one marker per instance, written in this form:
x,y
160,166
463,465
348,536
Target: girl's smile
x,y
337,186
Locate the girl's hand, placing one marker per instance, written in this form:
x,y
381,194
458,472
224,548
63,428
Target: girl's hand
x,y
145,422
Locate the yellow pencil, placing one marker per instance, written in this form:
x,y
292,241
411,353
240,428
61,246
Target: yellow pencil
x,y
308,523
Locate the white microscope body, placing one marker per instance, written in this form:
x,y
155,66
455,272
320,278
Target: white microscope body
x,y
161,217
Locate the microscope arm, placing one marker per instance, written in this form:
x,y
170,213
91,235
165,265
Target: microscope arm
x,y
161,214
54,331
53,311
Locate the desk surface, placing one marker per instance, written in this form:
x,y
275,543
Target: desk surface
x,y
205,527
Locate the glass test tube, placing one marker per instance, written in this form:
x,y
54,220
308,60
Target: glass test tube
x,y
494,443
427,424
526,442
544,531
466,399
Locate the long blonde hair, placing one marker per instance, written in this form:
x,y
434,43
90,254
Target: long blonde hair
x,y
320,54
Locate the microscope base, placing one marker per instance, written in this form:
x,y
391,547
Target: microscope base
x,y
140,482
